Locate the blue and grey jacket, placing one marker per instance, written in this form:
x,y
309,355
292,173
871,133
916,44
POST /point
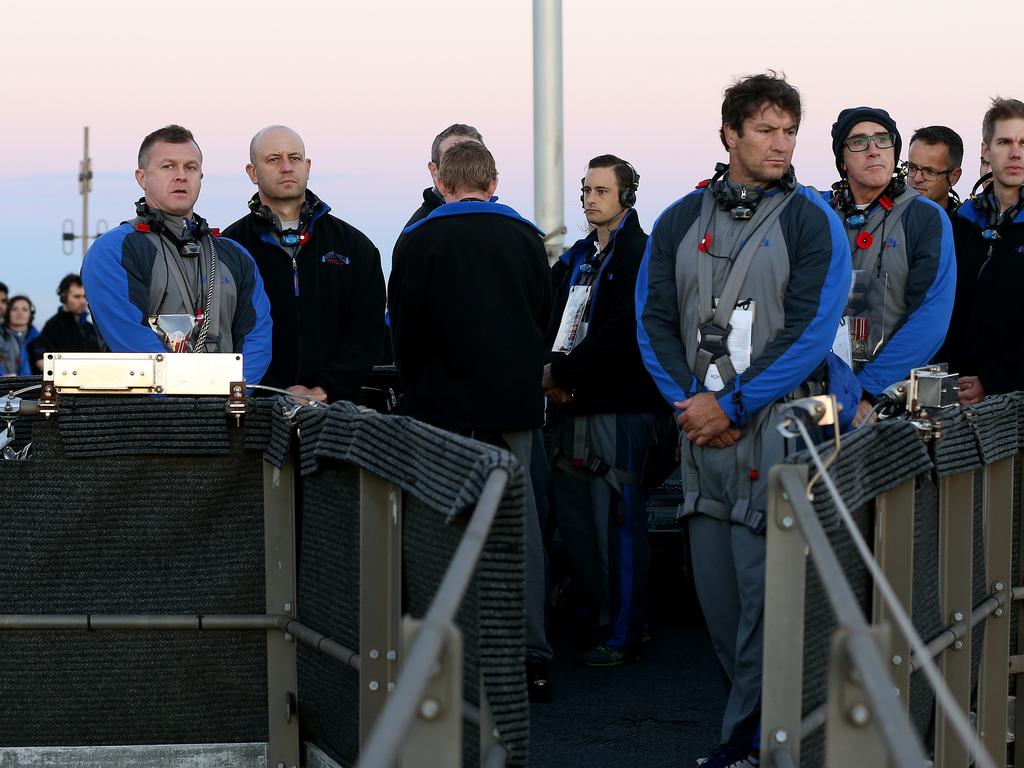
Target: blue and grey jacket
x,y
798,282
130,274
907,282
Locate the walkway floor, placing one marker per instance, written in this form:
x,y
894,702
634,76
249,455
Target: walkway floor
x,y
664,710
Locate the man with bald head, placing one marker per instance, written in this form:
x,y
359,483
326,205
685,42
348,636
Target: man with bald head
x,y
323,276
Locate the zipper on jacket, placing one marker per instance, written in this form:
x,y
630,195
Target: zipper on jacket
x,y
295,275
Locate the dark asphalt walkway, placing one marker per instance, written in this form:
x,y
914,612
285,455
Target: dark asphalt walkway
x,y
662,711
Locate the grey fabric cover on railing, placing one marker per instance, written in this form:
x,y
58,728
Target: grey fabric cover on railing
x,y
133,505
878,459
441,475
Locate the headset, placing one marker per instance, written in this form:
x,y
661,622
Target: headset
x,y
842,198
742,201
289,237
31,306
993,217
62,290
627,195
189,245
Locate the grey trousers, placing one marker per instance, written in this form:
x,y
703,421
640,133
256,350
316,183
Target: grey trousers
x,y
520,445
728,569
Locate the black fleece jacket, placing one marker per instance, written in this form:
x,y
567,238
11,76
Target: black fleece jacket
x,y
431,200
64,332
986,332
469,300
605,371
329,330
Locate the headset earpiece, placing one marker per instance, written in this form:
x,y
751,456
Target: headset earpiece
x,y
152,218
627,196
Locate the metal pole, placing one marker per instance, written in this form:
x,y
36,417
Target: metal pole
x,y
548,160
85,186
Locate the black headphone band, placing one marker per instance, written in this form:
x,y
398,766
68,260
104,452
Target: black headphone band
x,y
263,212
742,201
842,195
189,246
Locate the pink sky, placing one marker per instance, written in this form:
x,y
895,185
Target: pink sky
x,y
368,86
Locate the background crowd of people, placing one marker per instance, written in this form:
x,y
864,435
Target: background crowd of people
x,y
751,291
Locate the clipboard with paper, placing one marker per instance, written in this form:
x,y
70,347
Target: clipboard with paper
x,y
739,345
573,327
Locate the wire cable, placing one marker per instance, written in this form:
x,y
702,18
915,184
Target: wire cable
x,y
15,393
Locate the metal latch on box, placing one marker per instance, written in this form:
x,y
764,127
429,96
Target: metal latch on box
x,y
127,373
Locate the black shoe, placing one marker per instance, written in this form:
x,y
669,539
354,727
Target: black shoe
x,y
537,683
605,656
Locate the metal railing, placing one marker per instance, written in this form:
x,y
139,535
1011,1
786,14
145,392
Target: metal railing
x,y
429,691
871,657
421,710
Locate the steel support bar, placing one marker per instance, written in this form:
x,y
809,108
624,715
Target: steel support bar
x,y
785,572
995,654
894,549
279,566
852,739
548,144
383,746
956,517
1018,594
780,758
435,736
958,630
111,621
380,595
900,739
496,757
488,729
947,638
320,642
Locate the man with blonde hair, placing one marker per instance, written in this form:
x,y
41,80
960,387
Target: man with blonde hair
x,y
470,298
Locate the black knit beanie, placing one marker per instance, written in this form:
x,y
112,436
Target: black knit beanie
x,y
850,117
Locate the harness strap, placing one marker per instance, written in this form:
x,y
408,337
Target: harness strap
x,y
715,327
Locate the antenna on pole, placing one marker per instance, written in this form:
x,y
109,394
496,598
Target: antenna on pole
x,y
548,164
68,236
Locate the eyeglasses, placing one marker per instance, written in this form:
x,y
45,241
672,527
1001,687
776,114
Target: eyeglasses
x,y
860,143
930,174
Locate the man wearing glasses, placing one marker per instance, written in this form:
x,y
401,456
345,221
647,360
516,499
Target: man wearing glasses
x,y
934,165
904,266
986,338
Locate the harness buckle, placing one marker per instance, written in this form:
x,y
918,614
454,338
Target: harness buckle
x,y
714,338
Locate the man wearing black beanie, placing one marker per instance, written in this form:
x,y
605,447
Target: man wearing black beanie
x,y
904,266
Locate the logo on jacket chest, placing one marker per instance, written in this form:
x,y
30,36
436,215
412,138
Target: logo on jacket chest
x,y
333,257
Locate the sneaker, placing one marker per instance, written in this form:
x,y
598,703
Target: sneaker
x,y
537,684
725,756
605,656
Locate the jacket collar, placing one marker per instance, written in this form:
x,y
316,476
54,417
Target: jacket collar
x,y
585,246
